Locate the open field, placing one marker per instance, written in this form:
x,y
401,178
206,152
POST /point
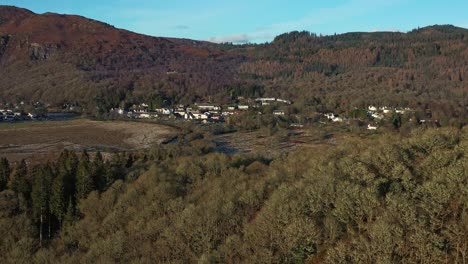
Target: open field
x,y
289,140
39,140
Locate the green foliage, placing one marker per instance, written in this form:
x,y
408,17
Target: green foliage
x,y
84,177
396,121
58,199
40,196
20,183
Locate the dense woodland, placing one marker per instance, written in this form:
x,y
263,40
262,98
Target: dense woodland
x,y
384,201
61,59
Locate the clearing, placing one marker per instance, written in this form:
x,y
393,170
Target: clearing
x,y
39,140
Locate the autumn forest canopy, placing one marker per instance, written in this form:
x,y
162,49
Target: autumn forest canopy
x,y
395,200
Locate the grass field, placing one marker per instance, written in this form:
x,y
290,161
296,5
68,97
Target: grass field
x,y
38,140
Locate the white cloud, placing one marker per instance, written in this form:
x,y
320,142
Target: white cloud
x,y
243,38
239,38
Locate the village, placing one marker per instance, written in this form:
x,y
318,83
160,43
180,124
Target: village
x,y
35,112
214,113
207,112
375,115
15,112
203,112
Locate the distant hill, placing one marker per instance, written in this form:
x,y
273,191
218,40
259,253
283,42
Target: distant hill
x,y
62,58
57,58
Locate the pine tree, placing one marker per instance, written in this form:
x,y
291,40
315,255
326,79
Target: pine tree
x,y
20,183
396,121
58,197
84,179
99,171
109,174
67,168
40,196
67,162
130,161
4,173
70,216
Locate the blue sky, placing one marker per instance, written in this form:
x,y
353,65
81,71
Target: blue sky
x,y
243,21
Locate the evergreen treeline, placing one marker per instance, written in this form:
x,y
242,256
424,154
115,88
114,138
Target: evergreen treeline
x,y
49,193
386,200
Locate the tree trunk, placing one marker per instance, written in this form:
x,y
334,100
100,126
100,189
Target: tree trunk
x,y
49,226
40,231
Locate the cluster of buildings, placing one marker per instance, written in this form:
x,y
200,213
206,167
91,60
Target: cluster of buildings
x,y
10,115
373,112
206,112
37,111
379,113
334,118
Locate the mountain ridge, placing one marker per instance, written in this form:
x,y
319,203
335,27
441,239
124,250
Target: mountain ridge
x,y
66,58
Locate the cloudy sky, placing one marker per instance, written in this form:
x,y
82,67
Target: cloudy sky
x,y
242,21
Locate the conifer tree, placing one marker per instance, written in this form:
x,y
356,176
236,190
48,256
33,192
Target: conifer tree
x,y
84,180
130,161
40,197
58,197
4,173
20,183
99,172
70,216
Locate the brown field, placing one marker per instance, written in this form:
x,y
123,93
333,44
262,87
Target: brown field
x,y
294,139
40,140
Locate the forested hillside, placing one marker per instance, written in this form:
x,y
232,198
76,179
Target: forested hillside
x,y
61,59
425,66
389,200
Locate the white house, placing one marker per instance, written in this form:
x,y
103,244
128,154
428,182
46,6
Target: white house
x,y
337,119
145,115
377,116
329,115
208,107
278,112
197,115
386,109
283,101
164,111
121,111
243,107
372,108
371,127
266,99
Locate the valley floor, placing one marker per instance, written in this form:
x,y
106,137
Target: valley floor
x,y
39,140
